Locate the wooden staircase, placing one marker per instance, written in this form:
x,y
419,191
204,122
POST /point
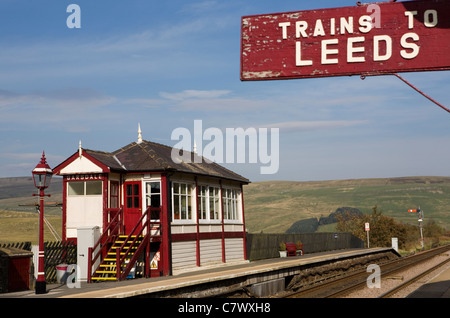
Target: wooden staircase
x,y
107,270
118,253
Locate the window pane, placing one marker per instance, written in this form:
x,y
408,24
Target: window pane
x,y
189,215
75,188
155,200
203,208
93,187
136,189
153,196
183,207
156,187
136,202
129,189
129,202
216,204
211,207
176,207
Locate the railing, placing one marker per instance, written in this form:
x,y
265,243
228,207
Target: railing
x,y
115,227
144,225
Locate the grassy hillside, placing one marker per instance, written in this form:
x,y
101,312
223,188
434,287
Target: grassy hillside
x,y
18,218
272,207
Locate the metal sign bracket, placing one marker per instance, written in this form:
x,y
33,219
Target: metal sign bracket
x,y
363,76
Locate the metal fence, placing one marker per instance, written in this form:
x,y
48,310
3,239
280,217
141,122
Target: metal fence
x,y
56,253
20,245
263,246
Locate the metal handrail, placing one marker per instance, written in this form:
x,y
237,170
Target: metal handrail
x,y
144,243
113,228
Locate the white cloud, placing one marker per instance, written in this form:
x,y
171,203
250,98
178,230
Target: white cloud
x,y
294,126
145,102
31,156
193,94
73,97
57,107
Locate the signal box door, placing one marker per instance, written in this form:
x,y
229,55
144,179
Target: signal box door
x,y
133,205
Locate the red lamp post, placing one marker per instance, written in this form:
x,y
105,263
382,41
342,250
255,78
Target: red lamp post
x,y
42,175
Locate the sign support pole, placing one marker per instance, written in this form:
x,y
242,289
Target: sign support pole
x,y
420,219
422,93
363,76
367,228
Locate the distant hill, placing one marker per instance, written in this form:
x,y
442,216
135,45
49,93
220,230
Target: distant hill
x,y
24,186
344,212
19,191
274,206
312,224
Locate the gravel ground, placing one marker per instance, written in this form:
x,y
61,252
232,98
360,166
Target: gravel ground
x,y
389,282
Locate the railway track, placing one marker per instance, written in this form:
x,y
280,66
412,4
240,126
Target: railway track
x,y
412,280
343,285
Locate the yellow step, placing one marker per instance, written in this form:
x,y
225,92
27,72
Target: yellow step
x,y
113,259
111,265
121,242
103,278
112,253
105,272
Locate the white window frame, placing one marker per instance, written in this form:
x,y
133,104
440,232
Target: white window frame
x,y
231,204
204,206
189,199
147,195
85,188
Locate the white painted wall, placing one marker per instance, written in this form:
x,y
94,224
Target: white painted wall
x,y
83,211
81,165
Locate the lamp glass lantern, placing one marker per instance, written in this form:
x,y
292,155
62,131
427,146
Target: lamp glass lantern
x,y
42,174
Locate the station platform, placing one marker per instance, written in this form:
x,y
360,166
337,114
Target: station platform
x,y
437,287
142,287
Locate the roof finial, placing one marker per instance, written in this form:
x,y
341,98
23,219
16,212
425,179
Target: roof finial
x,y
79,149
139,134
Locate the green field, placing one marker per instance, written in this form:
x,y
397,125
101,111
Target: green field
x,y
18,217
270,207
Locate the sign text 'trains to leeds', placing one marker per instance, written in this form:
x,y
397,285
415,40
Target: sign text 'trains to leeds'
x,y
375,39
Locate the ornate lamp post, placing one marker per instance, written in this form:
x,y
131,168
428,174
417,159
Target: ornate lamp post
x,y
42,175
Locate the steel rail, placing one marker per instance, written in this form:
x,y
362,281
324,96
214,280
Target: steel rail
x,y
396,289
342,285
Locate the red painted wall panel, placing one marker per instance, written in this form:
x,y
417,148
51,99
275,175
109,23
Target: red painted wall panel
x,y
19,274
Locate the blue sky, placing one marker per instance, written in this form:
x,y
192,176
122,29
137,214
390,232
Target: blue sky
x,y
164,64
